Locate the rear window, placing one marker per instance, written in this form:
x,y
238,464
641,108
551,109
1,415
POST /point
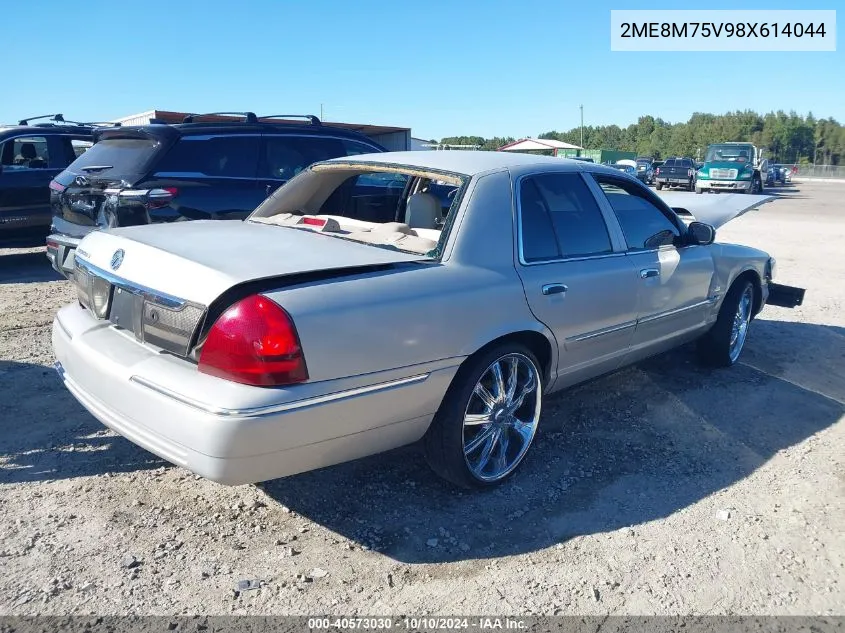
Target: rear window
x,y
120,155
669,163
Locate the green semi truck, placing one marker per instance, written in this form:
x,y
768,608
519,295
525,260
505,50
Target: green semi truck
x,y
733,167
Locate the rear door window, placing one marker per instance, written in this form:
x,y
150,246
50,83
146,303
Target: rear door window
x,y
24,153
576,221
355,148
215,157
537,236
284,156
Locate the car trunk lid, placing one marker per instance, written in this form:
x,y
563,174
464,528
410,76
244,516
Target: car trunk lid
x,y
159,282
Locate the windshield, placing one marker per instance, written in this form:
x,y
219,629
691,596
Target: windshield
x,y
409,212
732,153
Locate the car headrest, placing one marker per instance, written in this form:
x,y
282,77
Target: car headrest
x,y
422,211
28,151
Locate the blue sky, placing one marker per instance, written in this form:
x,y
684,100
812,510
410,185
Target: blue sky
x,y
443,67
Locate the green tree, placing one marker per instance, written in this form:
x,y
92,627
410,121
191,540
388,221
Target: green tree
x,y
786,137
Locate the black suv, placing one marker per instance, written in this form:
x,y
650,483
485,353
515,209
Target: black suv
x,y
212,169
31,155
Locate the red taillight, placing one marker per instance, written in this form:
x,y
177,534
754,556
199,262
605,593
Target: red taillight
x,y
254,342
313,221
657,171
689,172
57,186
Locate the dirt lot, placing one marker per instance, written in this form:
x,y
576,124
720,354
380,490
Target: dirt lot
x,y
662,489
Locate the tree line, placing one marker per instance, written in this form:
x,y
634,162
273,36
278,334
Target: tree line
x,y
788,138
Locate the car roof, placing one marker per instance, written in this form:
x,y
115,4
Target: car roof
x,y
235,127
201,128
466,162
45,130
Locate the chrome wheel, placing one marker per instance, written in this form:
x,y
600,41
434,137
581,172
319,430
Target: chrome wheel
x,y
501,417
741,320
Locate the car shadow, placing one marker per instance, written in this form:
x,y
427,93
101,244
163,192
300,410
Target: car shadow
x,y
45,434
785,192
622,450
625,449
18,268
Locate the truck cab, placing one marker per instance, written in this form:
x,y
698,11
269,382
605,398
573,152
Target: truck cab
x,y
733,167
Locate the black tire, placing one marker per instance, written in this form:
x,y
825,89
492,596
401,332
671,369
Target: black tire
x,y
444,441
715,348
699,190
659,186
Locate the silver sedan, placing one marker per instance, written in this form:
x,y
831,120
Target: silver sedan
x,y
377,301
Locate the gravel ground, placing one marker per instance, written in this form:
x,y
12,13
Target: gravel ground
x,y
661,489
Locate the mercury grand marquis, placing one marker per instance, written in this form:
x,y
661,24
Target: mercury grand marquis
x,y
352,312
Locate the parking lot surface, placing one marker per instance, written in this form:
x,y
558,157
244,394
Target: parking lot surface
x,y
664,488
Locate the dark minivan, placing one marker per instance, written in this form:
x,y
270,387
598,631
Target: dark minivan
x,y
188,171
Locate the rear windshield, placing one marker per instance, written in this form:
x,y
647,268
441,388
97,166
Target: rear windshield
x,y
120,156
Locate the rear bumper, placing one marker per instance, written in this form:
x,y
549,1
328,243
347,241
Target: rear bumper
x,y
724,185
60,252
672,181
230,433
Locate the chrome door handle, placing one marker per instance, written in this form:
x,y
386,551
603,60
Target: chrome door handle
x,y
554,289
647,273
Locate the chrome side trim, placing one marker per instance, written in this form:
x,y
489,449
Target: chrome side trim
x,y
253,412
668,313
601,332
564,260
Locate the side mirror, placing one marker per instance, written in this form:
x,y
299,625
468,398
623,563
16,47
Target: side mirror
x,y
700,233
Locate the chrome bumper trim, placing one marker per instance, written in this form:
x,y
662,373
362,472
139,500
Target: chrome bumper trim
x,y
253,412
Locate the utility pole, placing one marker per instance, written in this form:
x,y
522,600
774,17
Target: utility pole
x,y
582,124
321,111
